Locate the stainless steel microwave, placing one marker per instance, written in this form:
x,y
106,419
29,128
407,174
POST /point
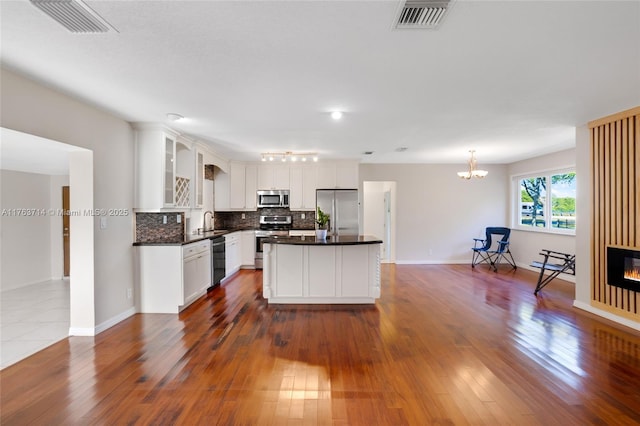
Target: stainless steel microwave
x,y
273,198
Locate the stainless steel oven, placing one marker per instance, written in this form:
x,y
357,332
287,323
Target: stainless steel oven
x,y
270,227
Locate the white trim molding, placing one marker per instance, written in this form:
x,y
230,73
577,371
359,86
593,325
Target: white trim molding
x,y
80,331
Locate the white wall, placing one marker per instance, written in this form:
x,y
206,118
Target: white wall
x,y
35,109
26,239
526,245
583,227
439,214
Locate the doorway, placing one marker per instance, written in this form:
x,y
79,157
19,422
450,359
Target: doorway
x,y
379,216
34,154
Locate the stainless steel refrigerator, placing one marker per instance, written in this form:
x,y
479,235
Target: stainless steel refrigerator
x,y
342,207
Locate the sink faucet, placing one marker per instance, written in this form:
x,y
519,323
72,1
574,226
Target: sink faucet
x,y
204,221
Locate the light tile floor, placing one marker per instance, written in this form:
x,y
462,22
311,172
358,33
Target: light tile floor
x,y
32,318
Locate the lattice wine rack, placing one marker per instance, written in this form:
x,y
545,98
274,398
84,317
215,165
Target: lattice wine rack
x,y
182,192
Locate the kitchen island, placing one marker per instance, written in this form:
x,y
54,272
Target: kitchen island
x,y
338,270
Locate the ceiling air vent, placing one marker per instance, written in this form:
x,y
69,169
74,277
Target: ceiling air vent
x,y
74,15
422,13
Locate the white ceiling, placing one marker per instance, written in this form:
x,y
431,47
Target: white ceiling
x,y
510,79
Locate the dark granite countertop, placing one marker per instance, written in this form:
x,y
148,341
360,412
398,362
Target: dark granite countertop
x,y
194,238
188,239
343,240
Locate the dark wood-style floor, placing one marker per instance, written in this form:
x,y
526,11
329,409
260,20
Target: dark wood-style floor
x,y
445,345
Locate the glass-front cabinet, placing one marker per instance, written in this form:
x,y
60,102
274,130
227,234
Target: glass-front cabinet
x,y
199,179
169,171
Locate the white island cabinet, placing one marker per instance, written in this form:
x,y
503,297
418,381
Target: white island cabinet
x,y
337,270
173,276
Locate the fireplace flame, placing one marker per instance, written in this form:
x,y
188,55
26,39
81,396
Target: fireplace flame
x,y
632,273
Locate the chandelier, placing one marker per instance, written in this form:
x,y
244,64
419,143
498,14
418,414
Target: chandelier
x,y
290,156
473,172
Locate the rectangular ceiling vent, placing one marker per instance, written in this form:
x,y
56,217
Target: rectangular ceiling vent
x,y
422,13
74,15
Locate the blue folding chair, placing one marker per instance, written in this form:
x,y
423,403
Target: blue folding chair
x,y
485,251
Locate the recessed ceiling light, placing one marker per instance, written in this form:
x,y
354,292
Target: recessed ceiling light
x,y
172,116
336,115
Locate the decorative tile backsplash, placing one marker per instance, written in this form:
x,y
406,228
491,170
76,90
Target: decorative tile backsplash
x,y
234,220
149,227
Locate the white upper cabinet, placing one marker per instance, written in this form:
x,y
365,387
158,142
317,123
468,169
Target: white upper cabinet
x,y
309,186
347,175
303,187
199,180
251,186
237,196
155,148
295,187
271,176
221,190
184,176
326,176
236,190
341,174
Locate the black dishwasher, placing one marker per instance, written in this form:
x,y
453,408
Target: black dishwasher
x,y
217,261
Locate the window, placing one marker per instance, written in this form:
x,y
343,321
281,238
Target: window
x,y
547,202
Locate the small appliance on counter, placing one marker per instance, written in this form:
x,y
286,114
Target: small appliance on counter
x,y
270,227
273,198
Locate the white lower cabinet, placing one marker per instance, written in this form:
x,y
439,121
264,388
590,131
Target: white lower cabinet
x,y
172,277
232,253
248,249
196,270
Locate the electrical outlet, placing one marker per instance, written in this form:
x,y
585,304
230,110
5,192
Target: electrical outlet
x,y
164,220
103,223
243,216
178,218
129,293
302,216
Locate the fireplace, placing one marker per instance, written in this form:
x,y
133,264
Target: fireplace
x,y
623,268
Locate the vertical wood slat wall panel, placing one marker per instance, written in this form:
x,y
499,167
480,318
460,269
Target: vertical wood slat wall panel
x,y
615,162
617,190
634,223
595,230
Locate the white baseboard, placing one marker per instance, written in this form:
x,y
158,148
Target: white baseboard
x,y
432,262
608,315
114,320
88,331
80,331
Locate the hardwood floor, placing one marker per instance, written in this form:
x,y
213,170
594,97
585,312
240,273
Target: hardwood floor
x,y
445,345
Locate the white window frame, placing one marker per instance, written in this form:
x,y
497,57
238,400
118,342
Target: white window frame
x,y
515,202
